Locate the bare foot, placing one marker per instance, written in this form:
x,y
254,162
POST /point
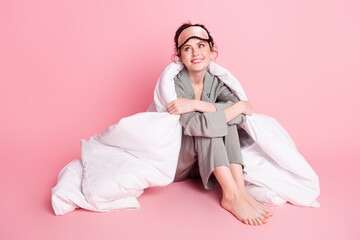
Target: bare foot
x,y
267,212
242,210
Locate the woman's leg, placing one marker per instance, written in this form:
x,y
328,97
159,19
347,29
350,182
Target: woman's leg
x,y
234,200
233,148
215,169
186,160
237,173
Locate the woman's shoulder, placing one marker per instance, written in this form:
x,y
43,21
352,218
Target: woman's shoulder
x,y
216,81
183,74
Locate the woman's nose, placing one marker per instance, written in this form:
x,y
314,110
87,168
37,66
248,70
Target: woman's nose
x,y
195,52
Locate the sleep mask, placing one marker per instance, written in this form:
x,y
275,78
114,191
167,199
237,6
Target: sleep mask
x,y
192,32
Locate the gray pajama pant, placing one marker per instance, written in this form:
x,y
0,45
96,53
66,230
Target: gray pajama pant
x,y
200,156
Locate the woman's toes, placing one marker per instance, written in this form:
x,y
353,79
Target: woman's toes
x,y
254,222
263,219
265,214
268,211
259,222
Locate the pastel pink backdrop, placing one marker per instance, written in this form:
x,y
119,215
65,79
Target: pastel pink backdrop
x,y
69,69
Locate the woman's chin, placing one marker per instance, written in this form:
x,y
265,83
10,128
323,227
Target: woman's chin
x,y
197,68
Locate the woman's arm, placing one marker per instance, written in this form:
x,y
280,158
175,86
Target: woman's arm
x,y
225,98
236,109
184,105
196,123
211,124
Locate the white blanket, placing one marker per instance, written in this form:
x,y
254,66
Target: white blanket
x,y
141,151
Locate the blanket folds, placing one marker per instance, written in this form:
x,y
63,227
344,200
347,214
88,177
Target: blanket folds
x,y
141,151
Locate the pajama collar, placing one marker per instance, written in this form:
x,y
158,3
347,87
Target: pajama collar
x,y
208,81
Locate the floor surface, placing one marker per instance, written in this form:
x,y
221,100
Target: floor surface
x,y
183,210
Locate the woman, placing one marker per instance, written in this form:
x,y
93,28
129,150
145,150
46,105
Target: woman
x,y
210,114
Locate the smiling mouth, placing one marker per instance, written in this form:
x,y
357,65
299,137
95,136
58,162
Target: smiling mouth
x,y
197,60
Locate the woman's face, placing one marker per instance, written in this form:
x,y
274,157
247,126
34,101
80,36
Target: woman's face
x,y
196,55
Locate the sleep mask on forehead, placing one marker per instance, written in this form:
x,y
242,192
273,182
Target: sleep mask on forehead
x,y
192,32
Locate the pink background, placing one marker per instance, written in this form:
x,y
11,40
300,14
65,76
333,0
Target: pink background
x,y
69,69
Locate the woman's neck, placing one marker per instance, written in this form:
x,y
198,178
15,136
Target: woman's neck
x,y
197,78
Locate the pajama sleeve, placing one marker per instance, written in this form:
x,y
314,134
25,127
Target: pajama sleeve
x,y
226,99
212,124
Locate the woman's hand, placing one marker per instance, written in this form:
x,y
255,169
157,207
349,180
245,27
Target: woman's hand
x,y
181,105
248,110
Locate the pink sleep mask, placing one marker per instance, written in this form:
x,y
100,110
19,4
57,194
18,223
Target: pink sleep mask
x,y
192,32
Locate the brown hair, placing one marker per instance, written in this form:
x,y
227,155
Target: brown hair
x,y
186,25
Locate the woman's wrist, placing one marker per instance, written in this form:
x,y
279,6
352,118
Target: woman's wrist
x,y
203,106
196,105
240,106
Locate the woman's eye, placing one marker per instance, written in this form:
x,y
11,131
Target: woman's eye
x,y
201,45
187,49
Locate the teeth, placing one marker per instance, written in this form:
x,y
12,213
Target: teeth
x,y
197,60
